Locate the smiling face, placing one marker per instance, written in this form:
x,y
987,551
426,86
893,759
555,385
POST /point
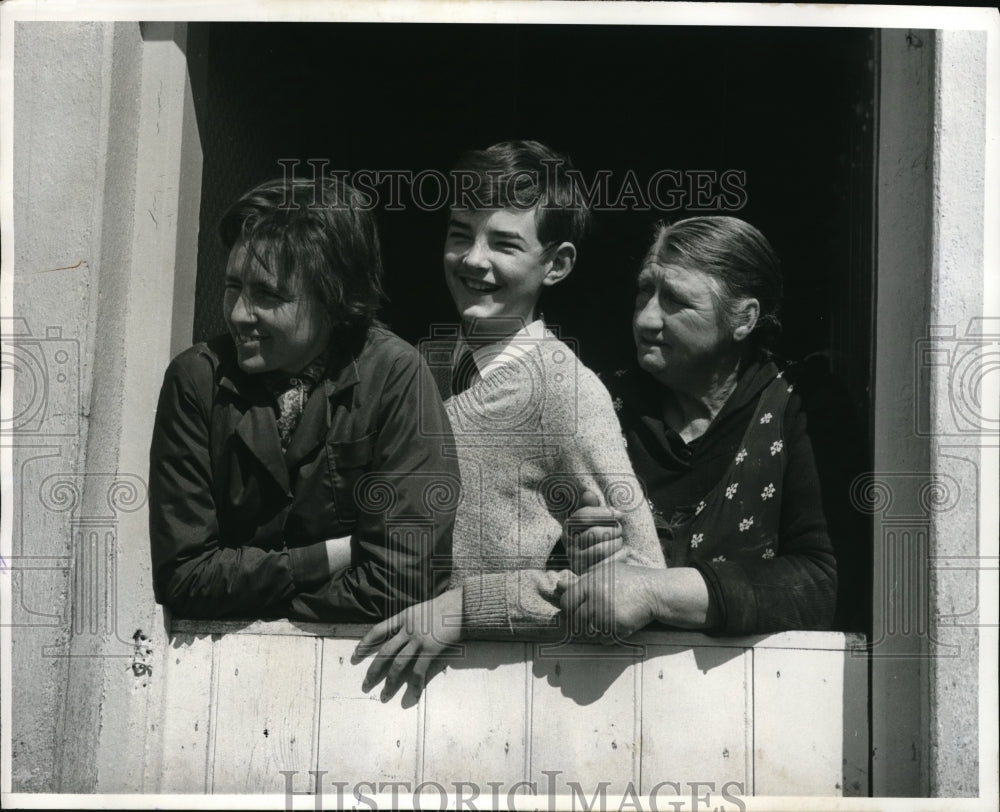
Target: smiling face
x,y
680,333
495,266
276,324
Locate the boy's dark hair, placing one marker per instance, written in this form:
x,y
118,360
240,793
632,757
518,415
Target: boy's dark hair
x,y
323,231
525,175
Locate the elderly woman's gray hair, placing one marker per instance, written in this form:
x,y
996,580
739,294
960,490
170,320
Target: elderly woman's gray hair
x,y
738,257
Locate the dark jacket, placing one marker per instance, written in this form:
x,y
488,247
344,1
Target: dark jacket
x,y
237,526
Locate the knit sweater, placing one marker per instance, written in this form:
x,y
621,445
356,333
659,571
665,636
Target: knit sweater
x,y
530,438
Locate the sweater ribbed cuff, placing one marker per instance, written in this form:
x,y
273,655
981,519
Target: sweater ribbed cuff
x,y
484,603
309,565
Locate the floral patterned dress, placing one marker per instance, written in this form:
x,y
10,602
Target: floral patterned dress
x,y
740,517
743,503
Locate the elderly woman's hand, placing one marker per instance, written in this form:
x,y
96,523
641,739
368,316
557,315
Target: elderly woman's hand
x,y
614,601
592,534
611,601
415,638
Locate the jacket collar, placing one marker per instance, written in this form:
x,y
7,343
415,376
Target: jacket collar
x,y
256,427
341,374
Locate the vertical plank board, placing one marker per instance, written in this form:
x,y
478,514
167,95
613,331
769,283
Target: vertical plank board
x,y
362,739
799,702
266,706
748,762
857,736
184,724
583,719
696,708
476,717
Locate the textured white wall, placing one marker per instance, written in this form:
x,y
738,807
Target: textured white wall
x,y
60,149
107,176
153,325
928,376
956,301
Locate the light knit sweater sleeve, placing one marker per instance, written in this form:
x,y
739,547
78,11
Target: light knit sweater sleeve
x,y
601,460
579,425
522,604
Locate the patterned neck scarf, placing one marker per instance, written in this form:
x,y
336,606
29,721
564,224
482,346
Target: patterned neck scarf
x,y
291,393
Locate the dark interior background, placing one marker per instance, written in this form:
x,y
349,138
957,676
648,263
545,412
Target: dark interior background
x,y
792,108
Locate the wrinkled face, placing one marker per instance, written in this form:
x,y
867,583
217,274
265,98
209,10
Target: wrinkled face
x,y
276,324
678,330
494,264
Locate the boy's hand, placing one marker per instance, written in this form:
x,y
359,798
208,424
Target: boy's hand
x,y
415,638
592,533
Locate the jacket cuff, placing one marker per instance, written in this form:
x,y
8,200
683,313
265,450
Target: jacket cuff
x,y
484,603
730,594
309,566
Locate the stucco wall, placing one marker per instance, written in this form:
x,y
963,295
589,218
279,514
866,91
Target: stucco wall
x,y
106,176
60,150
927,494
957,402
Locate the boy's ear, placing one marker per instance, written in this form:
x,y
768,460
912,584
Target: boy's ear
x,y
562,262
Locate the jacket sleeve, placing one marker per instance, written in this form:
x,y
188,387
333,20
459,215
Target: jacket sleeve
x,y
401,544
525,603
797,588
193,573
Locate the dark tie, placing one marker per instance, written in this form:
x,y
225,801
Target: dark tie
x,y
465,372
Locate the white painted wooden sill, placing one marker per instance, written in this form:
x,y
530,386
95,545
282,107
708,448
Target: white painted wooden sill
x,y
781,714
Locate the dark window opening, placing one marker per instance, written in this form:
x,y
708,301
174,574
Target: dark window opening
x,y
792,108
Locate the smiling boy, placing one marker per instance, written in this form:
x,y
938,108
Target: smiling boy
x,y
534,429
495,265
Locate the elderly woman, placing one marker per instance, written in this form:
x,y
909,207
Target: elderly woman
x,y
719,438
274,445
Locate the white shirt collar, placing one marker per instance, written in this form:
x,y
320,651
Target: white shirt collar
x,y
492,356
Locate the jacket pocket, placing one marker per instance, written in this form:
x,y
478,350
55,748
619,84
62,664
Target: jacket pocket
x,y
348,461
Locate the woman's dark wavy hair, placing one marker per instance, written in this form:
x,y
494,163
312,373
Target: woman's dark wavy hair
x,y
740,259
323,231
